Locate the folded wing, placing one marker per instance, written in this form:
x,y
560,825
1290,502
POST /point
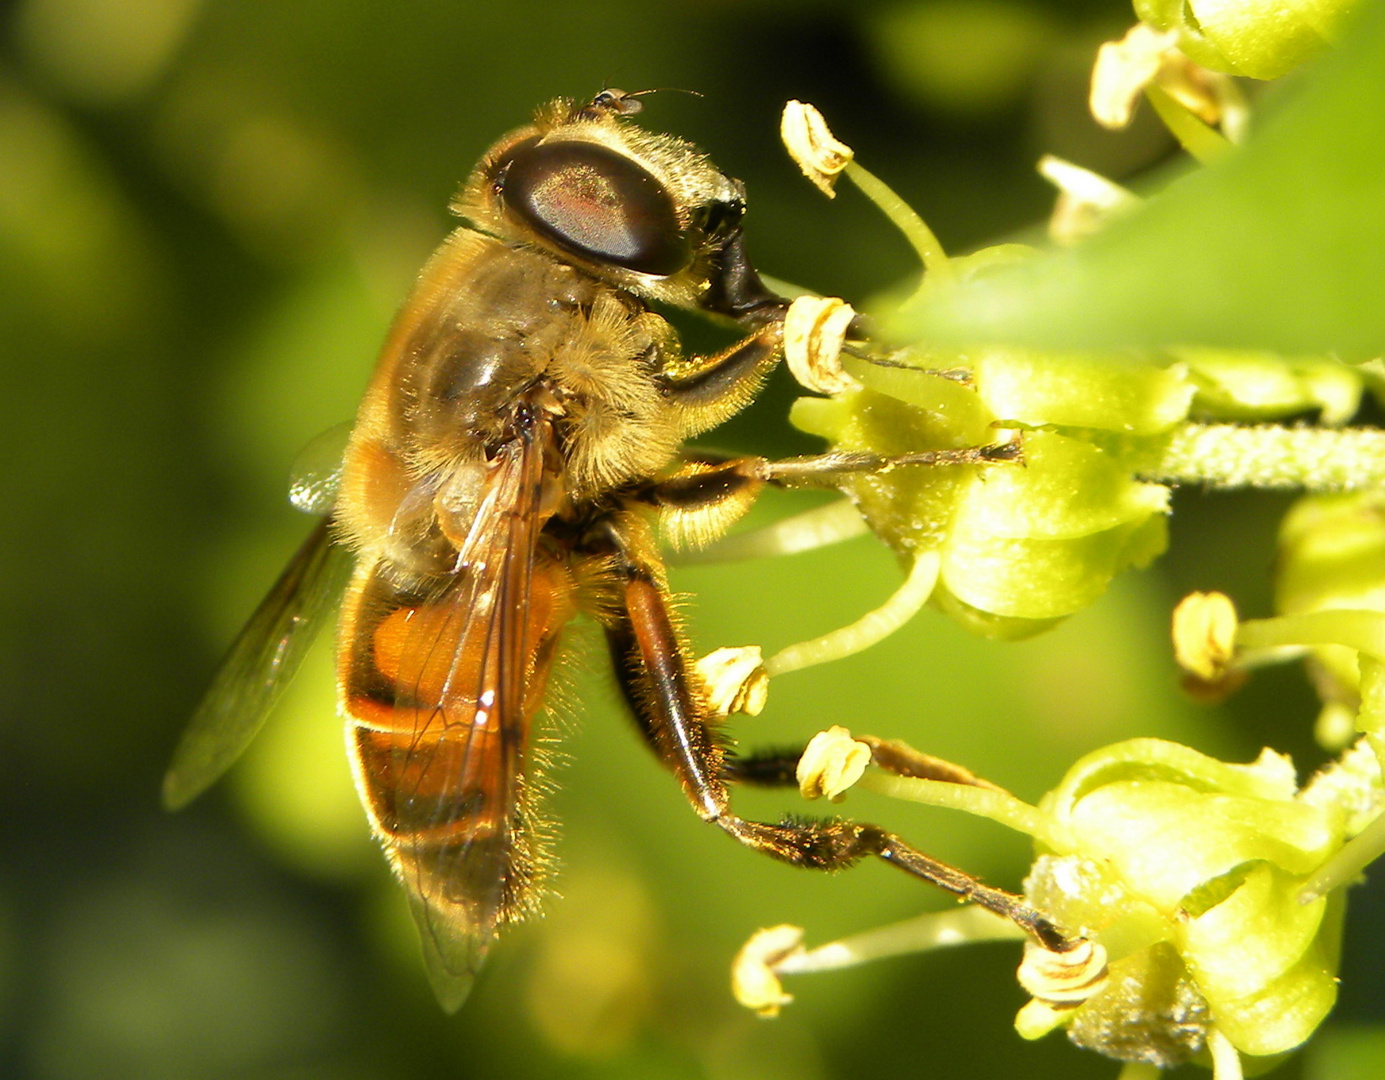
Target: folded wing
x,y
259,666
439,684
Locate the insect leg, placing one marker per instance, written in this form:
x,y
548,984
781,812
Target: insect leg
x,y
827,469
763,768
708,481
655,675
704,498
706,390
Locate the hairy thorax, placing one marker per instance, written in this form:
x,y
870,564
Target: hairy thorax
x,y
494,331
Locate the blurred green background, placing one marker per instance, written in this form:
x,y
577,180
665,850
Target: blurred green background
x,y
208,211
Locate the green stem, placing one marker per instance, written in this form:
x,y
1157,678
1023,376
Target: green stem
x,y
1203,142
1359,629
871,628
1266,456
831,523
934,930
1347,863
905,219
999,806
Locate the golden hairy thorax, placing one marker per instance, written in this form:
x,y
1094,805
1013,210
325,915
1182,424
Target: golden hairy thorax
x,y
490,326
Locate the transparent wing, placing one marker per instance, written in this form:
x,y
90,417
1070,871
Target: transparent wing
x,y
261,663
316,474
442,757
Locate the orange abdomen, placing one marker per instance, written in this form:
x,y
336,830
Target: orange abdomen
x,y
438,738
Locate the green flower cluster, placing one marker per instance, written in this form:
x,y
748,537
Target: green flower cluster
x,y
1205,900
1189,872
1214,891
1022,547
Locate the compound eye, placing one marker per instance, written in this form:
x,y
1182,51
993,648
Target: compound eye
x,y
596,204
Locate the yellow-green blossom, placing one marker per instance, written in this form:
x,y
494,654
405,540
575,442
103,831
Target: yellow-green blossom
x,y
1020,546
1243,385
1332,556
1191,885
1188,871
1257,38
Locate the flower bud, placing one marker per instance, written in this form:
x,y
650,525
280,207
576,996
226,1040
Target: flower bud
x,y
1332,556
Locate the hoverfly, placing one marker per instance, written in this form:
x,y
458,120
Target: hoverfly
x,y
519,436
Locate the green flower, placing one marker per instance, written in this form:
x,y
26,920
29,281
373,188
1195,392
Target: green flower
x,y
1189,872
1242,385
1206,899
1260,39
1020,546
1023,546
1332,556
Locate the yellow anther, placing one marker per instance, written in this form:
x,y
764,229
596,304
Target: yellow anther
x,y
1086,200
753,980
1063,979
813,146
1145,57
735,680
1204,634
814,329
832,762
1122,71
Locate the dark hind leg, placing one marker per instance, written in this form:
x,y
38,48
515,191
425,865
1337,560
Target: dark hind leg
x,y
656,676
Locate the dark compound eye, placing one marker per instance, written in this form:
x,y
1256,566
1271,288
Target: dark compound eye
x,y
597,204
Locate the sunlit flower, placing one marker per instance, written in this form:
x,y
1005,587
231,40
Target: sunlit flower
x,y
1189,881
1262,39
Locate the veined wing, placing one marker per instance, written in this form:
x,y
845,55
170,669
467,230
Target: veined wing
x,y
259,666
440,689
